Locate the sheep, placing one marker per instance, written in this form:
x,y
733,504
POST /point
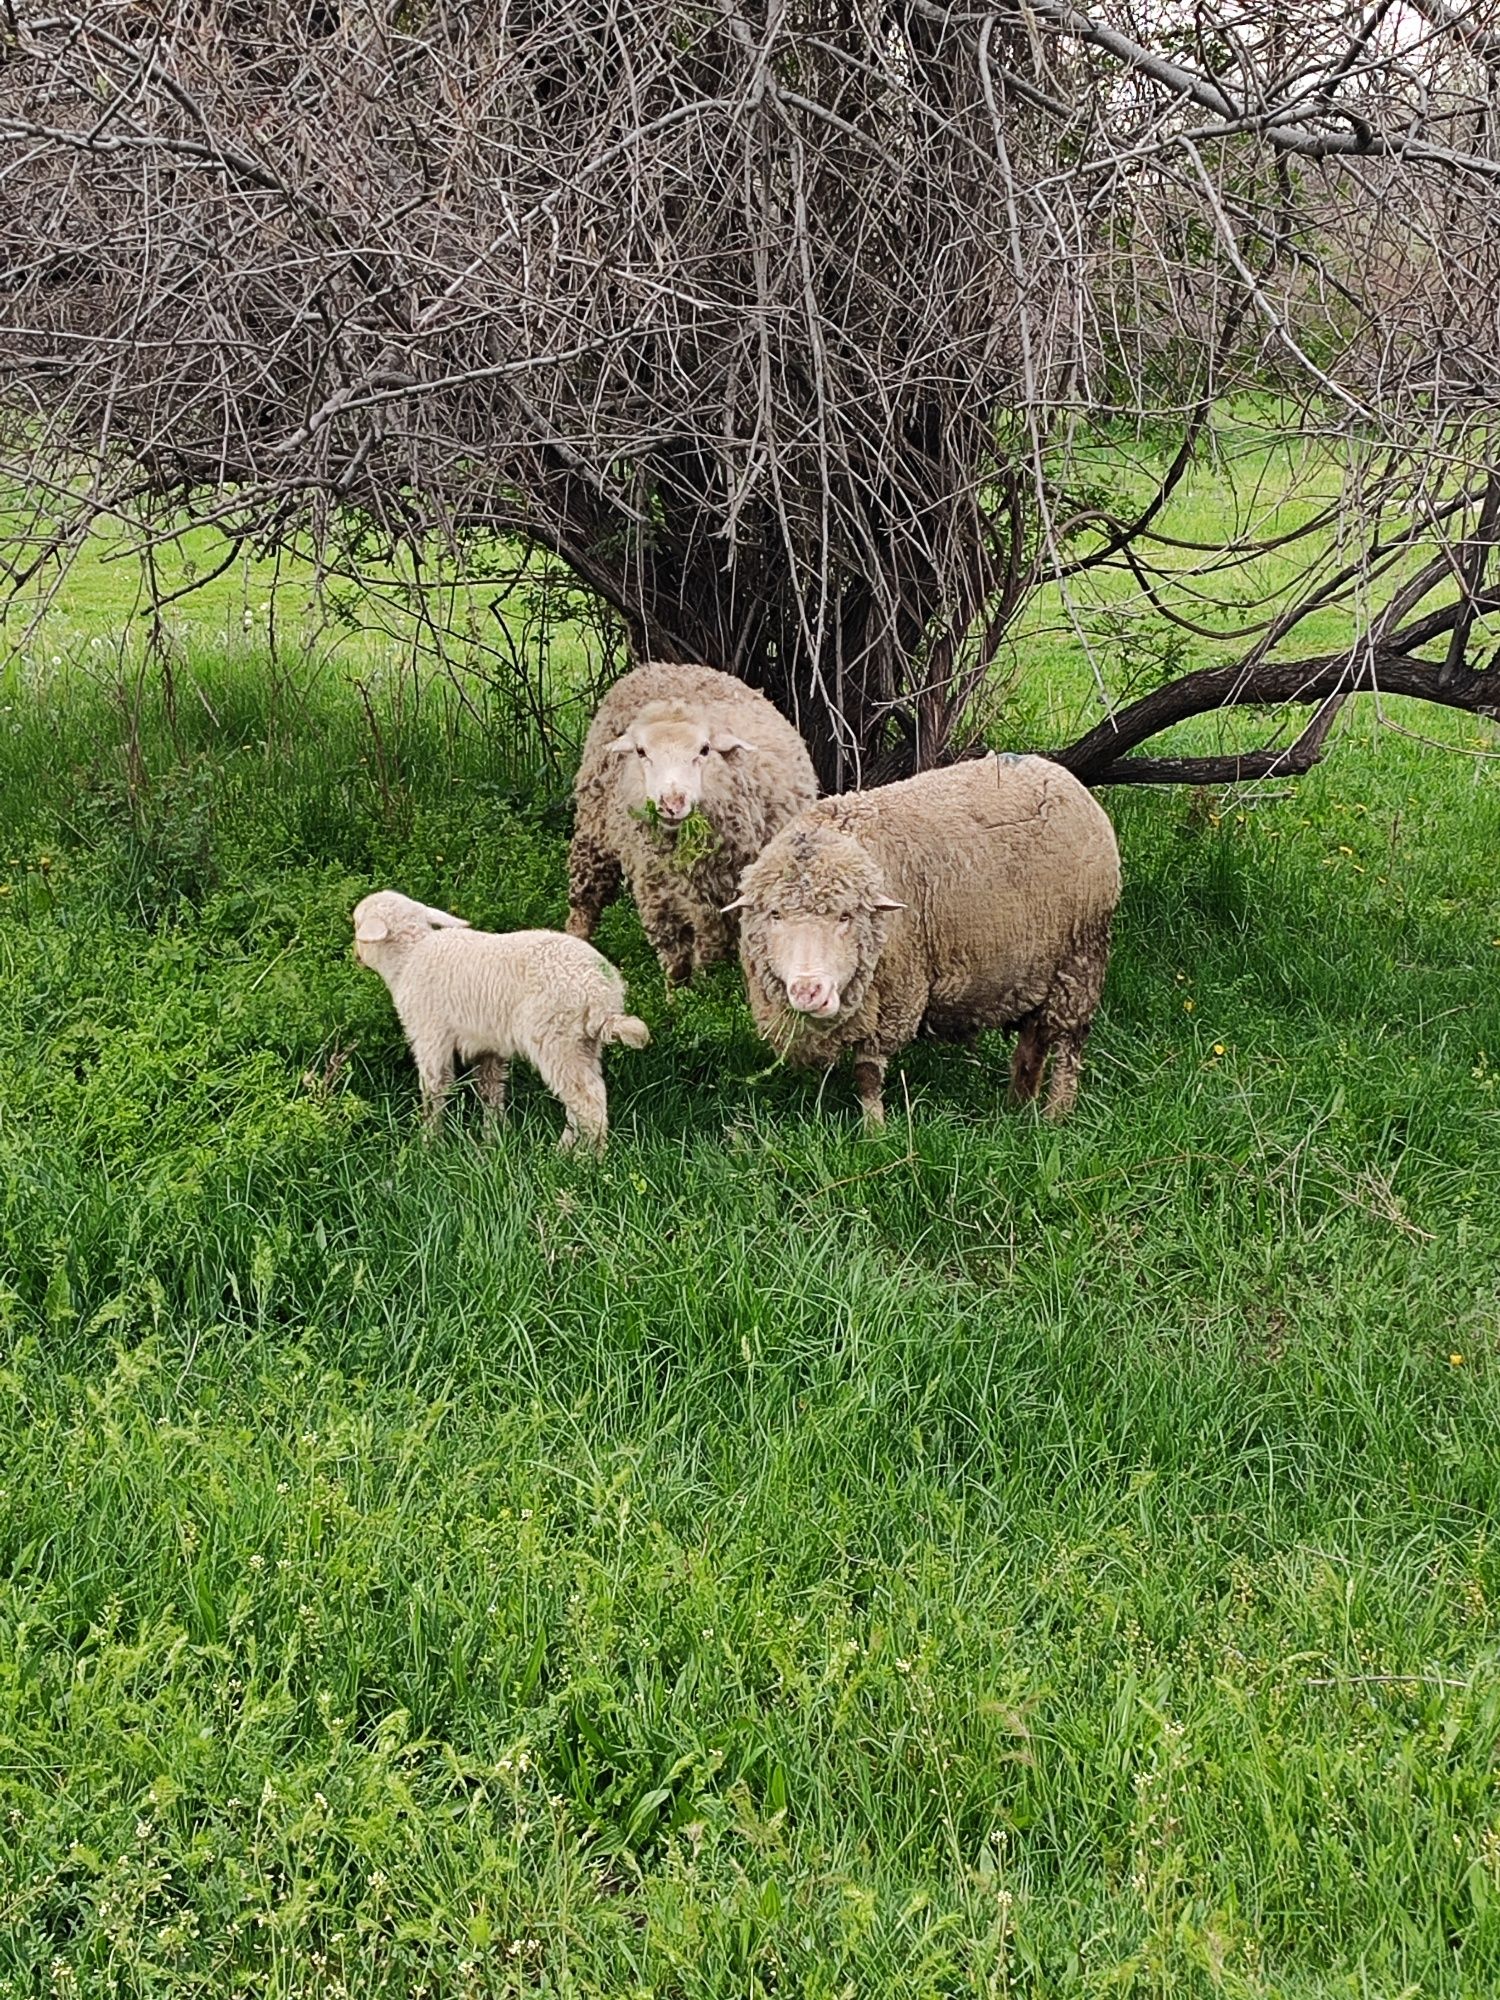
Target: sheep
x,y
975,897
487,998
686,773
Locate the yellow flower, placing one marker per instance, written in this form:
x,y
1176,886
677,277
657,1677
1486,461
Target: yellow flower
x,y
1188,1006
1218,1048
1455,1361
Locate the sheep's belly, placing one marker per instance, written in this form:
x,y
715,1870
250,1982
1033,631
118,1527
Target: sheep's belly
x,y
471,1044
958,1010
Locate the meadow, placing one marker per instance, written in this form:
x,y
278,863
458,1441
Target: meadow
x,y
985,1559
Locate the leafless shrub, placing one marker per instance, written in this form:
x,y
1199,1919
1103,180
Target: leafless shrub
x,y
791,329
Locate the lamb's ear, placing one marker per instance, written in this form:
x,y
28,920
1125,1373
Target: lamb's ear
x,y
885,903
620,745
739,903
370,930
726,742
441,920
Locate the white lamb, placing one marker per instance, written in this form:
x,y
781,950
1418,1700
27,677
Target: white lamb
x,y
486,997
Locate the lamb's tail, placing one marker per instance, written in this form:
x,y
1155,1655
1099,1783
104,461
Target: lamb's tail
x,y
624,1028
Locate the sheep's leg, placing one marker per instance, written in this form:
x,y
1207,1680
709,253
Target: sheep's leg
x,y
491,1075
434,1060
671,934
869,1081
1068,1014
713,942
1029,1060
1067,1061
594,877
573,1074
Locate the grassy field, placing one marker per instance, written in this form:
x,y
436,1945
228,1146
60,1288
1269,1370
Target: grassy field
x,y
984,1560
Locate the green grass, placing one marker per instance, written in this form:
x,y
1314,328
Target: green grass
x,y
984,1560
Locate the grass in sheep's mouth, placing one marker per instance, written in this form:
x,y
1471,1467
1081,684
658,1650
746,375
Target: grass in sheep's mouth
x,y
687,841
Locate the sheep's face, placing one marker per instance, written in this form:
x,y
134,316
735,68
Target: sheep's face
x,y
675,761
388,923
814,921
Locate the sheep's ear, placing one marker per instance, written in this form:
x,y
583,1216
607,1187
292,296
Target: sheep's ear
x,y
620,745
726,742
370,930
441,920
885,903
739,903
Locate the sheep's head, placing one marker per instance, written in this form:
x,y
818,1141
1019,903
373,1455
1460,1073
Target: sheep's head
x,y
814,915
676,760
388,924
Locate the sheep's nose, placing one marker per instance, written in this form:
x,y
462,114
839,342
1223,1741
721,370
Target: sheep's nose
x,y
813,995
673,805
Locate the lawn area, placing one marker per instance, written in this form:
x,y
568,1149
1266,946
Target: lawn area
x,y
980,1560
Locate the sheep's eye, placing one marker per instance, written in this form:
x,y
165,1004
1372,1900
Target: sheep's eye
x,y
845,920
774,915
703,752
639,751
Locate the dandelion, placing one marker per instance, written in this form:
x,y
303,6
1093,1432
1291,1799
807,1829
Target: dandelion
x,y
1455,1361
1218,1048
1188,1006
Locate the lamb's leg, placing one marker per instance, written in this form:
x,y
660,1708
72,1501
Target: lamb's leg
x,y
491,1075
869,1081
593,883
1028,1061
434,1060
572,1072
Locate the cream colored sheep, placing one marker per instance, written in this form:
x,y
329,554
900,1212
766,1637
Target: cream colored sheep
x,y
486,998
976,897
686,774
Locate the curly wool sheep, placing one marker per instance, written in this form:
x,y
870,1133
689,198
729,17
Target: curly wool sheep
x,y
686,774
976,897
486,997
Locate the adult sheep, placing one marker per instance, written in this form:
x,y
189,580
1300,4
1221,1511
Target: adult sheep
x,y
975,897
686,774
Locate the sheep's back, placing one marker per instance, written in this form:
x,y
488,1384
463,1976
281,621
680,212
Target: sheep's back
x,y
1004,863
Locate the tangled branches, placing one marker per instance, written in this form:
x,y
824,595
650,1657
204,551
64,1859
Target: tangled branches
x,y
785,326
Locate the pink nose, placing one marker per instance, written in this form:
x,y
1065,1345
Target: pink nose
x,y
673,805
813,995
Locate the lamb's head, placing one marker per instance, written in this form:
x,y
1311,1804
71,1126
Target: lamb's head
x,y
676,757
814,919
388,924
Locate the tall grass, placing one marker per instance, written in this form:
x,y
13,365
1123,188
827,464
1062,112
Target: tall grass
x,y
982,1560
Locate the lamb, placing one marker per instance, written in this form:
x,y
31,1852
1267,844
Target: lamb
x,y
975,897
487,998
686,774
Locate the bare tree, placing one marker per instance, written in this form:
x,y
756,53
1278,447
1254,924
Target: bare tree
x,y
792,330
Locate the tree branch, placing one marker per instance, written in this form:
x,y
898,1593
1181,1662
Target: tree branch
x,y
1099,758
